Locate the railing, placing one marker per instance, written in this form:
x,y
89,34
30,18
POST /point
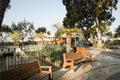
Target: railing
x,y
12,62
48,55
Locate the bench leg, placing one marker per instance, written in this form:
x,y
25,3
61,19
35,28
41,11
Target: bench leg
x,y
72,65
50,76
90,62
64,65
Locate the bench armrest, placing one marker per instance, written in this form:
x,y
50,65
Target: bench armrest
x,y
47,67
49,71
69,59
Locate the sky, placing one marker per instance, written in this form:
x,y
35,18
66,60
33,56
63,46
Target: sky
x,y
44,13
116,14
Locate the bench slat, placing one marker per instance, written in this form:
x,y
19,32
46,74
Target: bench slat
x,y
38,76
30,71
82,55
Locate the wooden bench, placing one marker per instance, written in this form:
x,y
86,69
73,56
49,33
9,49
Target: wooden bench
x,y
85,52
82,55
29,71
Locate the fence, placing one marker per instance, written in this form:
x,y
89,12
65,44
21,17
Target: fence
x,y
48,55
12,62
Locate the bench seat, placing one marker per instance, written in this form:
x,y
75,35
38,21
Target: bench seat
x,y
82,55
29,71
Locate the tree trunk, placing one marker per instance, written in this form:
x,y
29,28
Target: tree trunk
x,y
3,5
99,34
1,17
68,47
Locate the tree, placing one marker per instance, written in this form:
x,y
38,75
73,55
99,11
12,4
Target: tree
x,y
109,34
4,4
48,32
117,31
68,32
58,26
25,28
40,35
41,29
15,37
90,32
5,31
86,13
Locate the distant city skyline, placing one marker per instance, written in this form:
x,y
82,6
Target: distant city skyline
x,y
44,13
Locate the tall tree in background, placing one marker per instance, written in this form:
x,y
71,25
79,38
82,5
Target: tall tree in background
x,y
57,26
48,32
68,32
4,4
15,37
5,31
86,13
41,29
117,32
25,28
40,33
109,34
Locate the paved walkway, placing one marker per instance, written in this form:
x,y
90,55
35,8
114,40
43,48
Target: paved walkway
x,y
104,67
114,77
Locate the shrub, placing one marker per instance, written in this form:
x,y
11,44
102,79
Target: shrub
x,y
110,44
116,42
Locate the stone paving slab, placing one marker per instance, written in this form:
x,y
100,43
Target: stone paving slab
x,y
102,68
110,52
99,74
114,77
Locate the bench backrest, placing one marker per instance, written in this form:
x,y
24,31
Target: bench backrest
x,y
74,56
83,50
81,53
22,72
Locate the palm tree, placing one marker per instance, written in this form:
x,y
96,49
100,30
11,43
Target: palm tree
x,y
4,4
68,32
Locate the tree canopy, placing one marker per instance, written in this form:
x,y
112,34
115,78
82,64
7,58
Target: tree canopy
x,y
5,31
117,31
5,28
41,29
84,12
15,36
25,28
